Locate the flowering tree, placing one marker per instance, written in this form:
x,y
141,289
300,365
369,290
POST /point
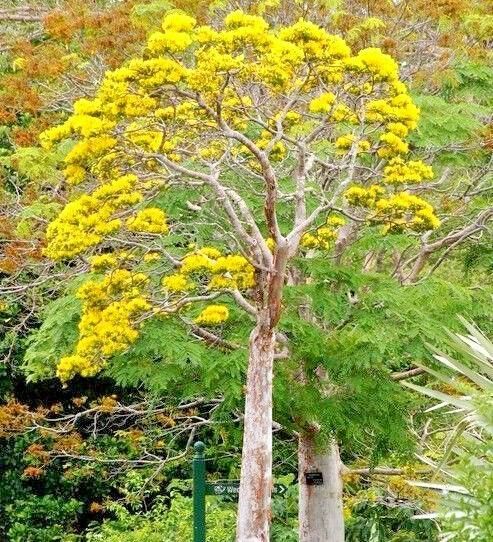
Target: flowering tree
x,y
278,137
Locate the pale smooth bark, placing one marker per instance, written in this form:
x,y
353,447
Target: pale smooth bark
x,y
254,501
256,466
321,517
449,242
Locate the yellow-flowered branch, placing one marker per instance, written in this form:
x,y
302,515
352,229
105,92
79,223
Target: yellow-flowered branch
x,y
233,109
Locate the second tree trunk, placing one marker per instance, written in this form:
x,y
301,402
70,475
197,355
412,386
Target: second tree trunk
x,y
321,516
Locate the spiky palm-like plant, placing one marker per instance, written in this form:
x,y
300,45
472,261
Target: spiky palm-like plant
x,y
467,462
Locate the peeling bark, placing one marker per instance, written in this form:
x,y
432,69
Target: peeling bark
x,y
256,462
320,514
256,466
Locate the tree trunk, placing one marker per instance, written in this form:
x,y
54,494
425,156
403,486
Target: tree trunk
x,y
256,464
321,516
418,266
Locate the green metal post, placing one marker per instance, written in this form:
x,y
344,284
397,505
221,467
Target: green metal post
x,y
199,493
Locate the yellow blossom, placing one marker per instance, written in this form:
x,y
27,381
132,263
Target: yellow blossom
x,y
397,211
399,171
213,315
107,325
324,236
103,261
19,64
322,103
149,220
152,257
179,22
392,145
364,197
345,142
85,221
74,174
177,283
170,41
196,262
382,66
335,220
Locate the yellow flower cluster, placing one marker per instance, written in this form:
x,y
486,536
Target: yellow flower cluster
x,y
124,91
213,315
176,37
400,172
74,174
314,41
345,142
141,138
232,271
208,267
170,41
404,210
90,149
360,196
322,103
392,145
107,325
238,20
399,112
150,257
203,259
212,151
277,151
153,72
85,221
147,74
119,258
397,211
149,220
342,113
100,262
398,129
224,65
324,236
177,283
110,260
381,66
219,53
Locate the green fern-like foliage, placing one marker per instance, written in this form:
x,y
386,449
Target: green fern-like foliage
x,y
359,344
478,257
166,359
443,123
53,339
454,119
474,80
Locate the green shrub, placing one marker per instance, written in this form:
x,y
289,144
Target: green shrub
x,y
42,519
167,524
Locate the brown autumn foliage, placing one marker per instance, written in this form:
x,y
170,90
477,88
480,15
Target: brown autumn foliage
x,y
15,418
